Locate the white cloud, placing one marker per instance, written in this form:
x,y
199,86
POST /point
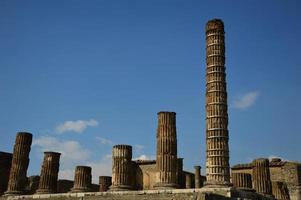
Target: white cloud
x,y
104,141
102,167
246,100
145,157
76,126
72,153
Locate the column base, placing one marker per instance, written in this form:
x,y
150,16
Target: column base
x,y
76,190
214,184
45,191
120,188
162,186
13,193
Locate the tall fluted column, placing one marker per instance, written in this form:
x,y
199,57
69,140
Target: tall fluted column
x,y
261,176
49,173
217,154
19,165
280,190
121,169
104,183
242,181
197,176
5,165
166,176
82,179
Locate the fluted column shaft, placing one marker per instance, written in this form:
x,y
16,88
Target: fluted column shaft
x,y
49,173
104,183
197,175
261,176
166,176
242,180
82,179
280,190
5,165
19,165
121,171
217,154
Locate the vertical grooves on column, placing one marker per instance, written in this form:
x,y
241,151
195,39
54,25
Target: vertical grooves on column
x,y
280,190
166,150
19,164
217,154
49,173
242,180
82,179
261,176
121,169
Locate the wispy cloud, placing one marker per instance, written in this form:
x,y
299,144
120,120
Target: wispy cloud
x,y
246,100
104,141
76,126
145,157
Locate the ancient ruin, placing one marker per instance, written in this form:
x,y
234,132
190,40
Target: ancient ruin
x,y
49,173
197,177
5,164
104,183
19,165
242,181
82,179
217,148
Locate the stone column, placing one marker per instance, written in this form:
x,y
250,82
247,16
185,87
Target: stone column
x,y
121,169
242,181
197,175
217,147
188,181
82,179
280,190
180,178
104,183
20,161
261,176
33,184
166,151
49,173
5,164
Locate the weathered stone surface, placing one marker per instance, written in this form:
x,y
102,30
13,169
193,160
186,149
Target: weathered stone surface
x,y
121,168
32,184
64,186
104,183
5,165
49,173
280,190
166,175
261,176
197,177
82,179
19,166
217,148
188,181
242,181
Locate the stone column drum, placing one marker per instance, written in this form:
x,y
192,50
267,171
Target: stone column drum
x,y
217,148
5,165
166,175
82,179
104,183
121,171
261,176
242,181
280,190
197,176
49,173
19,165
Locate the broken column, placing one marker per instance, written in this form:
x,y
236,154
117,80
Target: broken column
x,y
261,176
5,164
104,183
166,175
188,181
20,161
82,179
217,147
121,169
197,176
242,181
49,173
280,190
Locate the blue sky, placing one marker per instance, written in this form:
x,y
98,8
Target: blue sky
x,y
85,75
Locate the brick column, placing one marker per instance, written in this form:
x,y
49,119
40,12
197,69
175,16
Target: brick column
x,y
261,176
166,176
104,183
19,166
82,179
5,165
49,173
121,169
197,175
217,147
242,181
